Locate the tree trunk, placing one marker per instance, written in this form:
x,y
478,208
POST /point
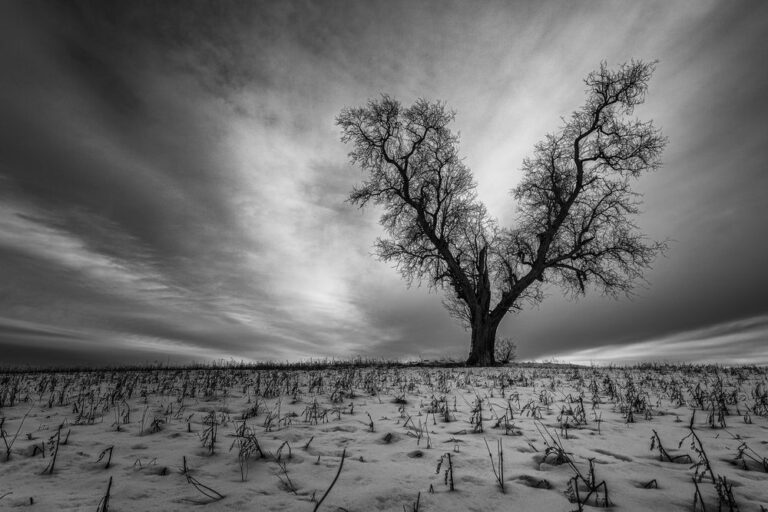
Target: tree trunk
x,y
483,342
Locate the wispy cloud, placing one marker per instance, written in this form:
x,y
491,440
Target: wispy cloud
x,y
172,180
34,232
737,342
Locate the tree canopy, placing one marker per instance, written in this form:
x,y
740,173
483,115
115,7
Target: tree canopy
x,y
574,226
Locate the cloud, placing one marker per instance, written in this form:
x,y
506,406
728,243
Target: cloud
x,y
24,341
736,342
173,182
36,234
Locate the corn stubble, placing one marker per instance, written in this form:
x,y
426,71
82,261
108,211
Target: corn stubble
x,y
523,404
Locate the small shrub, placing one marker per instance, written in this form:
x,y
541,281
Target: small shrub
x,y
505,350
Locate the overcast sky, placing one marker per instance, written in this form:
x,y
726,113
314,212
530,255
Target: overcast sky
x,y
172,182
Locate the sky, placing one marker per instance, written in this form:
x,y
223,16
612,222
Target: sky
x,y
173,184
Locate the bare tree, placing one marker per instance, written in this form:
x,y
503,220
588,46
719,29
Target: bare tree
x,y
574,226
505,350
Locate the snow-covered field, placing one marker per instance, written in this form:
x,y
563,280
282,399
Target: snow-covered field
x,y
239,439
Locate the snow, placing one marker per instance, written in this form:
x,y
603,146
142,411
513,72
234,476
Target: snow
x,y
304,419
